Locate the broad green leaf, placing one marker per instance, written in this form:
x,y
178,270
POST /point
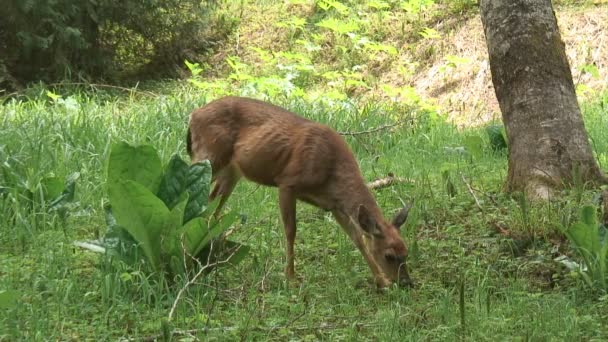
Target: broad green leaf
x,y
171,244
137,163
118,242
474,144
173,181
197,185
8,299
240,251
588,216
51,187
142,214
176,214
216,228
497,137
585,236
192,233
211,208
68,193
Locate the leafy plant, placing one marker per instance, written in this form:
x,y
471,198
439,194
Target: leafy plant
x,y
339,27
49,191
102,38
429,33
474,145
162,216
497,136
591,69
326,5
415,7
591,242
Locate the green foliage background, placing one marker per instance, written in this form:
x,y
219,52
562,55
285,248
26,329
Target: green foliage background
x,y
56,39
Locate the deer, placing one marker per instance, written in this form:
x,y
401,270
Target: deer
x,y
307,161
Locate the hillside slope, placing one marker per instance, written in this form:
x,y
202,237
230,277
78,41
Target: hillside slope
x,y
447,68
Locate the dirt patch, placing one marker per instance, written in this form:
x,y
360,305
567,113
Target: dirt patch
x,y
464,91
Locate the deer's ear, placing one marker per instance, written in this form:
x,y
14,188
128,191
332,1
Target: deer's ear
x,y
367,222
401,216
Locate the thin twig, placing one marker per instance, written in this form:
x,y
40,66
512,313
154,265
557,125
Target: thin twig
x,y
198,275
377,129
487,195
471,192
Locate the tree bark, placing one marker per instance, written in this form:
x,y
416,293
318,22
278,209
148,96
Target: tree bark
x,y
548,144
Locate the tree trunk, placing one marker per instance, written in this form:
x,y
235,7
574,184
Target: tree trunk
x,y
548,144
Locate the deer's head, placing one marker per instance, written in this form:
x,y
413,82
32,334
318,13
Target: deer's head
x,y
386,246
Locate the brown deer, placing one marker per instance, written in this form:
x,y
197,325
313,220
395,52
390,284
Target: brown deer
x,y
306,161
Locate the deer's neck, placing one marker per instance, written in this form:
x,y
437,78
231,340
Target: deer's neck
x,y
356,193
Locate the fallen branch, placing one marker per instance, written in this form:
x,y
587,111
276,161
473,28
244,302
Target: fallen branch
x,y
377,129
89,245
387,181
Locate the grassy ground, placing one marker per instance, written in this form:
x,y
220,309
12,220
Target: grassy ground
x,y
483,261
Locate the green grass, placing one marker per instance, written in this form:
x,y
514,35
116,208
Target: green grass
x,y
475,281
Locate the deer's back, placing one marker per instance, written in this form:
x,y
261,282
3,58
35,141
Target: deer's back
x,y
270,145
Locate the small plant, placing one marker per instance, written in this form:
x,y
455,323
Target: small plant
x,y
591,242
327,5
50,192
474,145
162,217
496,134
416,6
429,33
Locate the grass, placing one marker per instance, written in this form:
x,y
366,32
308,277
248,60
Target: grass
x,y
484,272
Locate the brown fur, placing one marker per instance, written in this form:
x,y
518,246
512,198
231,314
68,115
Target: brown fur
x,y
307,161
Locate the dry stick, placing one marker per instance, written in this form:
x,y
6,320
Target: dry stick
x,y
487,195
387,181
377,129
471,192
197,275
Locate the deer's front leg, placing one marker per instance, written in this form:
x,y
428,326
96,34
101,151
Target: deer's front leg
x,y
287,204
